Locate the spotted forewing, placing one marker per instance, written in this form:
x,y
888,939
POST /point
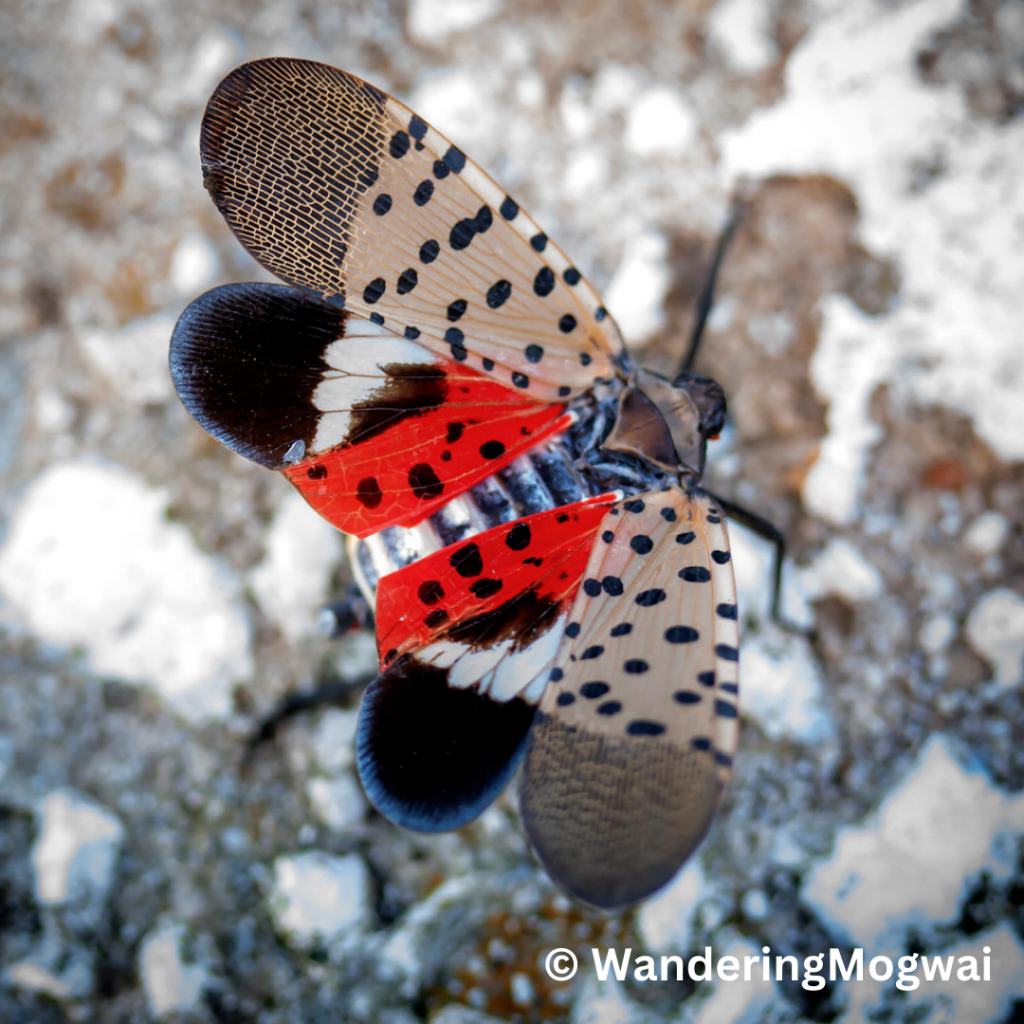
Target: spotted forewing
x,y
340,189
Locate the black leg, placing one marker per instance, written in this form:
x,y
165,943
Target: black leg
x,y
770,532
336,620
707,295
301,701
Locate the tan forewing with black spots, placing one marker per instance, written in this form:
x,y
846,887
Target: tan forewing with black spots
x,y
638,725
337,187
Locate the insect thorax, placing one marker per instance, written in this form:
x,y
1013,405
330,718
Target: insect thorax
x,y
668,423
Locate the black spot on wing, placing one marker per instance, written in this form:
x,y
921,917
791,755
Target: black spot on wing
x,y
374,290
407,281
467,561
424,192
643,727
368,492
492,450
430,591
498,294
519,537
424,482
485,587
454,160
681,635
695,574
465,230
544,282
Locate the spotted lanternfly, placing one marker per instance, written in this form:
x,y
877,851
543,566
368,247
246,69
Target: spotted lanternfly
x,y
550,584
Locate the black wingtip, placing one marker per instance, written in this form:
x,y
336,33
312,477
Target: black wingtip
x,y
245,360
432,757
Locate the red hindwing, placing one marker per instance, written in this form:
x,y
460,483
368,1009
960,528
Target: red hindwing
x,y
451,589
407,471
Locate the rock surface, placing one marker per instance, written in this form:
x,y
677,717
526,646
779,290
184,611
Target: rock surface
x,y
158,595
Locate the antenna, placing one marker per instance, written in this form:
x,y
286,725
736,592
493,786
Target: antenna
x,y
707,295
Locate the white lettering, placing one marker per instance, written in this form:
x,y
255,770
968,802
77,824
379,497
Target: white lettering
x,y
612,962
794,967
813,980
703,961
886,966
678,962
645,969
846,971
906,981
968,971
731,965
937,964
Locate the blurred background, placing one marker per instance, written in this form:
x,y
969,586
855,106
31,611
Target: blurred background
x,y
158,595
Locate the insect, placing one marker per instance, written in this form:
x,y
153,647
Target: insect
x,y
551,586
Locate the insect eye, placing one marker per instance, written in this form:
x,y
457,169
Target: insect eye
x,y
709,399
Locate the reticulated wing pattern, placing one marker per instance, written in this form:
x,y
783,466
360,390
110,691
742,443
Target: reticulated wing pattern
x,y
638,725
337,187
